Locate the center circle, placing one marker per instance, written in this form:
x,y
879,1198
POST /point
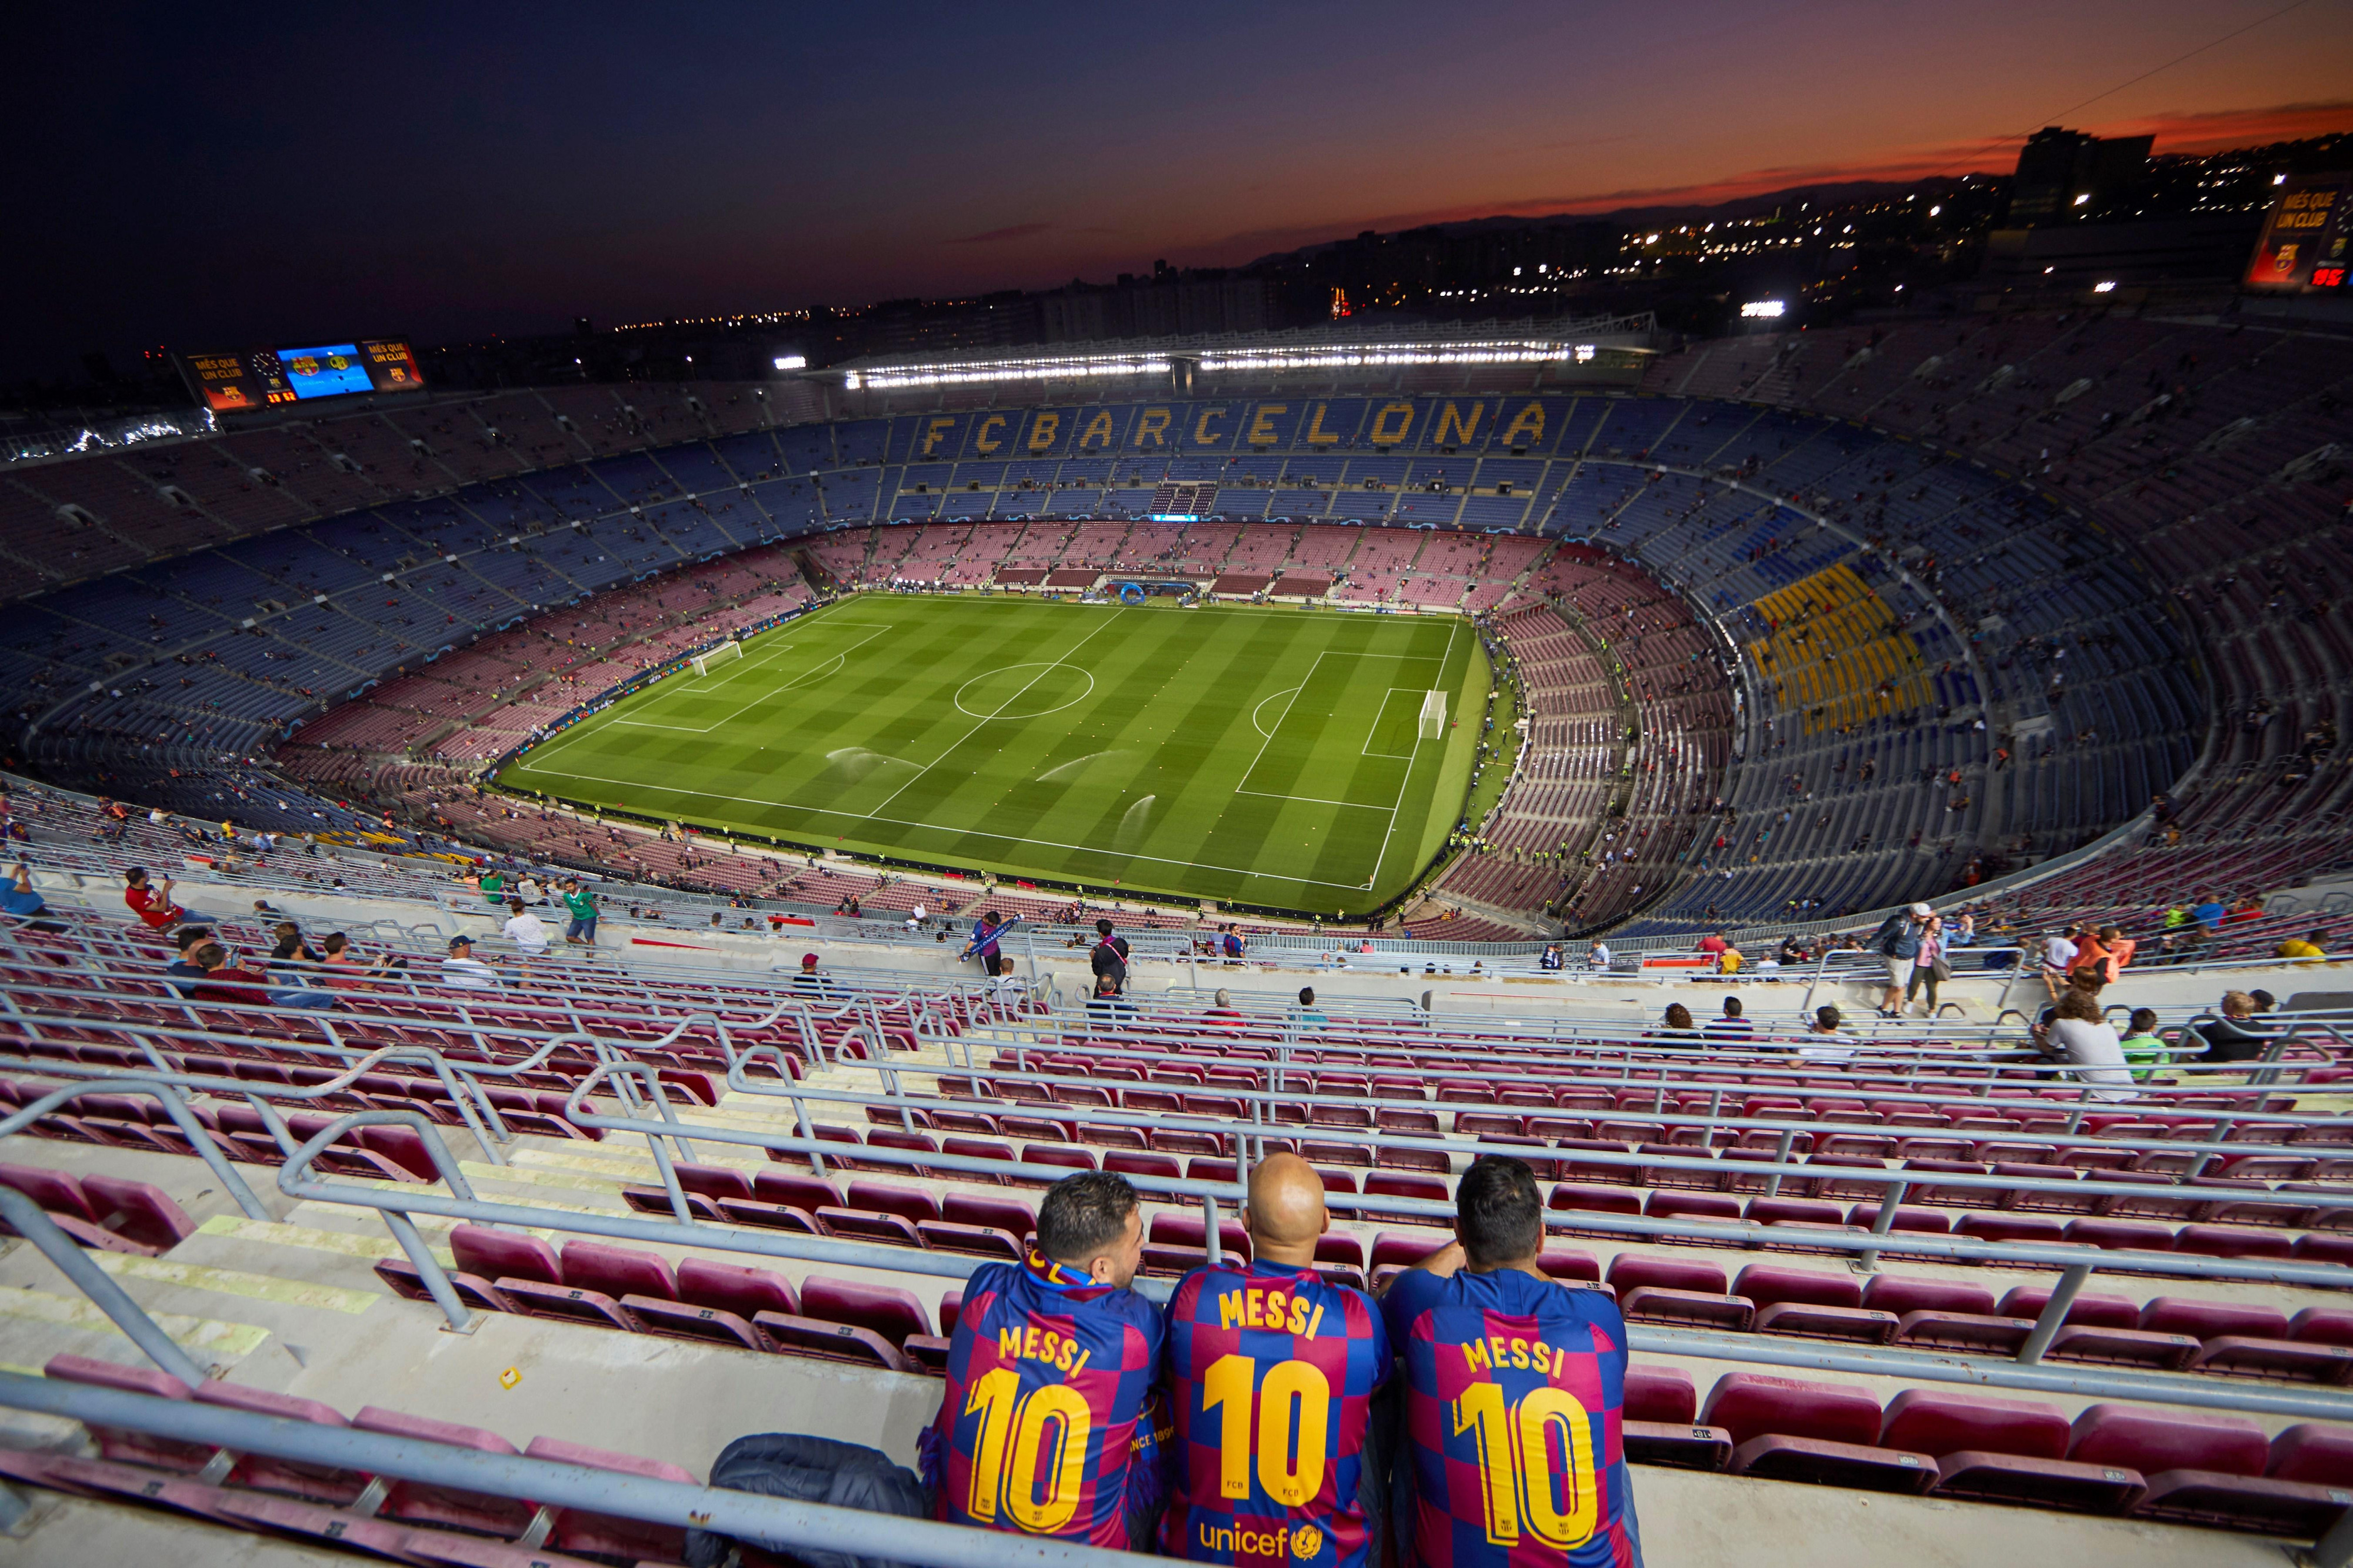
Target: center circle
x,y
1025,692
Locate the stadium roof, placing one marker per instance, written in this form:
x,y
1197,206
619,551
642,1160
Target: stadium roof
x,y
1340,345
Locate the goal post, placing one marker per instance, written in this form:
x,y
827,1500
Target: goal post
x,y
729,650
1433,716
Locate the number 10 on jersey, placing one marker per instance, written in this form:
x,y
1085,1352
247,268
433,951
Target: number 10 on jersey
x,y
1516,1469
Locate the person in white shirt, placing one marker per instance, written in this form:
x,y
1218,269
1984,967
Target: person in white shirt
x,y
1596,957
2078,1034
464,971
2059,951
523,930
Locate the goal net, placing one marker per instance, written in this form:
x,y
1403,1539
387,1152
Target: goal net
x,y
1433,716
729,650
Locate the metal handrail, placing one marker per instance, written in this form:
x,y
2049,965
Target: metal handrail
x,y
750,1516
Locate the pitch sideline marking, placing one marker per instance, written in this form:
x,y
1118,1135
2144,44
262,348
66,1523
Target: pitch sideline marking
x,y
781,850
1404,782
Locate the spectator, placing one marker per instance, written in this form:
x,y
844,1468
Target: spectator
x,y
1109,958
2059,955
1713,944
1964,932
2207,912
225,982
1107,1356
809,984
1310,1017
2229,1038
1231,945
1676,1026
345,968
152,902
2309,948
1104,1008
2121,949
1824,1040
17,894
2143,1045
580,904
1486,1289
1308,1320
1930,967
1728,962
1596,957
291,947
1897,942
464,971
182,972
2091,968
530,937
1224,1015
1551,959
986,931
1730,1025
2079,1035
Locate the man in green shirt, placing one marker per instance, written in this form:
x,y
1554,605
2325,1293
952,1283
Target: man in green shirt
x,y
493,886
582,905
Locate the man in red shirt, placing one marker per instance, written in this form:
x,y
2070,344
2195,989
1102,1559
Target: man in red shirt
x,y
152,902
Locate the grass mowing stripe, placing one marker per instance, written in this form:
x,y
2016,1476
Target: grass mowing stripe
x,y
1039,738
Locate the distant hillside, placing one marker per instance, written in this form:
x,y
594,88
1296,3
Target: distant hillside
x,y
1833,194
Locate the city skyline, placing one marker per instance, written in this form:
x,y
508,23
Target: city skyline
x,y
446,173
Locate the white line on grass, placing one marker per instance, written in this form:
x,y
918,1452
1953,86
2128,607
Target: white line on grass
x,y
977,729
966,832
790,684
1404,782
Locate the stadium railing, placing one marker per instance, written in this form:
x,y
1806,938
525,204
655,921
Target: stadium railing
x,y
746,1515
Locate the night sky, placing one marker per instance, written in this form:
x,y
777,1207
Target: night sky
x,y
207,176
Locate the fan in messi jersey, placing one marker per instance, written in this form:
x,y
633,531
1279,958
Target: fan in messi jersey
x,y
1272,1372
1514,1389
1046,1424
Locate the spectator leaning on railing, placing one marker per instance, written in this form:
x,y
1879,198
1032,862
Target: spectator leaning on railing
x,y
2309,948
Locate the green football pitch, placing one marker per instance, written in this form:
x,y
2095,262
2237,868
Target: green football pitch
x,y
1266,756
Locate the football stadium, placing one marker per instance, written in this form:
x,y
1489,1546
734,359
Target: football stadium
x,y
1689,917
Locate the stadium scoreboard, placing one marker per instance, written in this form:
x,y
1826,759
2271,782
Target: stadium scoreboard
x,y
2304,239
232,381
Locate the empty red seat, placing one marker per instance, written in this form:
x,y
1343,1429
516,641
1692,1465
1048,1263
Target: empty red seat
x,y
609,1535
732,1288
2087,1311
444,1508
888,1311
120,1444
2205,1469
1943,1314
1668,1290
1008,1214
137,1211
2002,1450
330,1486
1395,1250
910,1204
1800,1302
2231,1241
795,1190
1136,1163
1787,1429
55,1191
504,1254
1660,1423
1191,1230
2313,1452
617,1270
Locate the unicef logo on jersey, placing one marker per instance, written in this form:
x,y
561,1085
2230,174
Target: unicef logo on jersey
x,y
1300,1543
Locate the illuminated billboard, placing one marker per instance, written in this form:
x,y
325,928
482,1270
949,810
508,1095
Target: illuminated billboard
x,y
231,381
2302,249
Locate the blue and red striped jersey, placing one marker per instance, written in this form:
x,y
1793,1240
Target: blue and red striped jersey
x,y
1272,1372
1047,1376
1515,1398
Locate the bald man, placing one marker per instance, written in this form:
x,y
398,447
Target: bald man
x,y
1272,1373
